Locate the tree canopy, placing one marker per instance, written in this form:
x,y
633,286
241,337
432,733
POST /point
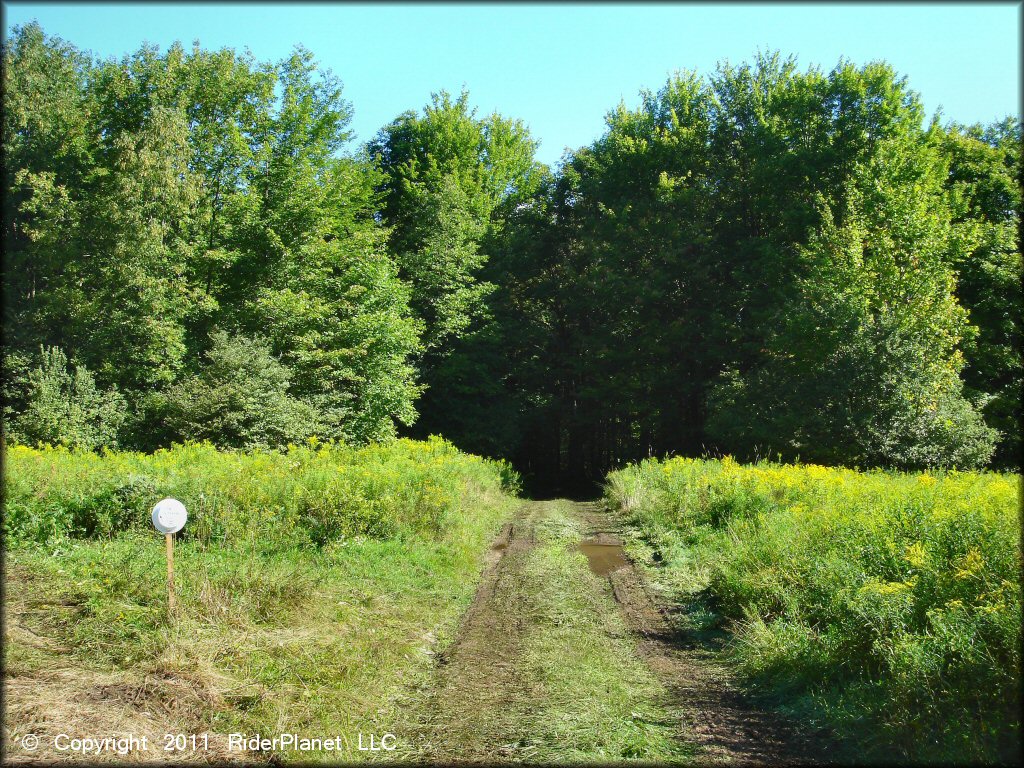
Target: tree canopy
x,y
760,260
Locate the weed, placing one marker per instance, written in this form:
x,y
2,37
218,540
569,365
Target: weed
x,y
306,581
891,600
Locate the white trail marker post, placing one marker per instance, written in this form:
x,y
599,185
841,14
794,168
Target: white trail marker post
x,y
169,517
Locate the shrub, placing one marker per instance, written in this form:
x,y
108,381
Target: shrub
x,y
64,407
315,493
238,399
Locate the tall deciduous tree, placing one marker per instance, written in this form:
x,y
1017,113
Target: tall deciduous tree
x,y
984,192
450,180
866,369
762,259
159,197
696,264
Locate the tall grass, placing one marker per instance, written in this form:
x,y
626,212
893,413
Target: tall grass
x,y
307,495
892,600
313,586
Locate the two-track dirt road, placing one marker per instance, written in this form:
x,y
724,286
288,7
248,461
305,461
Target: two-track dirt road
x,y
488,700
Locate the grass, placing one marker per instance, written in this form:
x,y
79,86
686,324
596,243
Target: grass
x,y
887,603
544,670
313,587
602,703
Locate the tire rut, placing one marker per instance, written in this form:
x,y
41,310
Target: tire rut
x,y
477,692
479,700
728,726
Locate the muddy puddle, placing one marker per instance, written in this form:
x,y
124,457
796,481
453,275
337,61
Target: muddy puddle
x,y
603,558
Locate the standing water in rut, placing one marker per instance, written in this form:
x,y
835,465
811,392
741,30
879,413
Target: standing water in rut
x,y
603,558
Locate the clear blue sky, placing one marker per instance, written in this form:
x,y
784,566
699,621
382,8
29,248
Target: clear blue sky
x,y
561,68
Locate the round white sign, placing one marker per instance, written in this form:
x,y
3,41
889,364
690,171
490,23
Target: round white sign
x,y
169,516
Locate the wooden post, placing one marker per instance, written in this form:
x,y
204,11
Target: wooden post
x,y
169,537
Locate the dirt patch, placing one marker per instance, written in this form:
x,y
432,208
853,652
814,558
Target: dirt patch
x,y
726,724
542,668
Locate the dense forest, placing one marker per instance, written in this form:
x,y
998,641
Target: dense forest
x,y
762,261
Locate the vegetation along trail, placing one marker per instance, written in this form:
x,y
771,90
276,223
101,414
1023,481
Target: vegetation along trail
x,y
214,293
564,655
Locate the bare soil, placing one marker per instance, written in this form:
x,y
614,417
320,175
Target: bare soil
x,y
478,695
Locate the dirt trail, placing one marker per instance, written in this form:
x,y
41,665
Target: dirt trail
x,y
729,728
478,694
481,698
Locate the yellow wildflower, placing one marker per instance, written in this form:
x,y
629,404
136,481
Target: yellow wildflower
x,y
971,565
916,555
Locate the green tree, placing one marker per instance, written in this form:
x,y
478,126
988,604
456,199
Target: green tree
x,y
867,368
49,150
189,190
313,273
451,179
129,289
682,271
343,328
983,189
